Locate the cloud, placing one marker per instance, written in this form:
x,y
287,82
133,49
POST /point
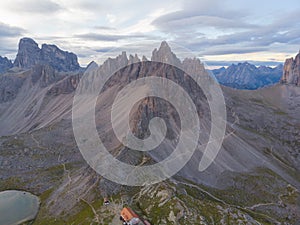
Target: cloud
x,y
104,28
207,13
35,6
284,30
228,50
10,31
222,28
9,36
212,27
91,5
104,49
107,37
179,20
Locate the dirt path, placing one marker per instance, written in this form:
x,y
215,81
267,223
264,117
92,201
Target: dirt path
x,y
227,204
93,209
37,142
67,172
279,203
202,190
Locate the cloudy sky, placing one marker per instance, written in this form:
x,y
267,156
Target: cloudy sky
x,y
217,31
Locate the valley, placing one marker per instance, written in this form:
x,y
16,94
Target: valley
x,y
253,180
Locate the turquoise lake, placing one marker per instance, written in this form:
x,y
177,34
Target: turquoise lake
x,y
17,207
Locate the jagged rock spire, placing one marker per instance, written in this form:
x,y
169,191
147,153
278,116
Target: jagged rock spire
x,y
164,54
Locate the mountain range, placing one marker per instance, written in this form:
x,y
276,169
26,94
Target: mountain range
x,y
248,76
240,76
253,180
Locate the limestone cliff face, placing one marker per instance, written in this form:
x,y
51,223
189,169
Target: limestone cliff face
x,y
165,64
29,55
165,55
60,60
291,71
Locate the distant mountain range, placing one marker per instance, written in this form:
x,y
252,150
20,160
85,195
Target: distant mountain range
x,y
240,76
248,76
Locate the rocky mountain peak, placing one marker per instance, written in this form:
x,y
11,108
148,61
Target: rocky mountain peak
x,y
112,64
193,66
247,66
91,66
291,71
29,55
164,54
59,59
164,45
27,43
122,59
133,59
144,58
27,40
5,64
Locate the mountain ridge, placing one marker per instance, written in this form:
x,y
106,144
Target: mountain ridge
x,y
248,76
241,76
29,54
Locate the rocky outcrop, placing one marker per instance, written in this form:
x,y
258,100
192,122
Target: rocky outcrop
x,y
65,86
29,54
60,60
111,65
164,54
248,76
133,59
291,71
39,75
43,73
5,64
9,86
91,66
193,66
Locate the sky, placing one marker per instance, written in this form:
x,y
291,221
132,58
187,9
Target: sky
x,y
219,32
